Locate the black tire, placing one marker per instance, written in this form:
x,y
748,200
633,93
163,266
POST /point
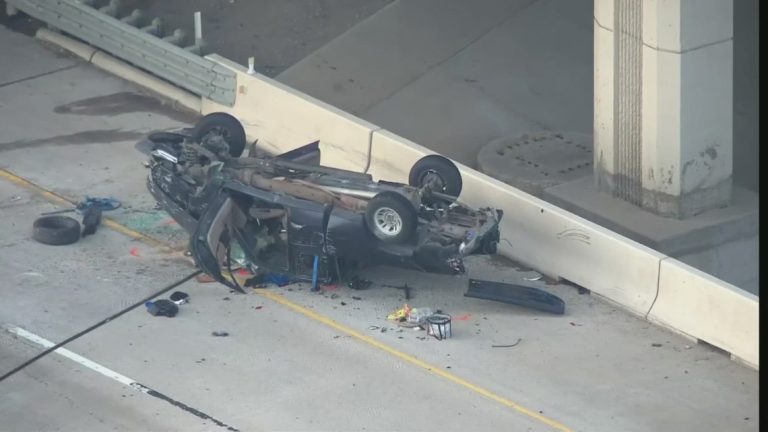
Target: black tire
x,y
386,212
229,126
439,169
166,137
56,230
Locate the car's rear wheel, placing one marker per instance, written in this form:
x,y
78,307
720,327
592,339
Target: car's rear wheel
x,y
391,217
438,174
225,125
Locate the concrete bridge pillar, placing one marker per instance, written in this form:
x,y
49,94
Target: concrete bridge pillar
x,y
663,103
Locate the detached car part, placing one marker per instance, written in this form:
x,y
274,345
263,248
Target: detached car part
x,y
56,230
280,212
520,295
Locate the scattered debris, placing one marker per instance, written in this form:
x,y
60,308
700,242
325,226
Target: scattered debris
x,y
331,287
417,316
179,297
656,345
334,296
533,298
358,283
162,307
91,220
464,317
226,298
439,326
383,329
583,290
508,346
374,327
220,334
356,298
16,198
204,278
533,278
103,204
576,324
399,314
134,251
406,324
258,307
264,279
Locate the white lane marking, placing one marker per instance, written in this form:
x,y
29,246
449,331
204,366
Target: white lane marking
x,y
107,372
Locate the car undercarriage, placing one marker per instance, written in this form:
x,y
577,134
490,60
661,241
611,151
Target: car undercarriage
x,y
289,214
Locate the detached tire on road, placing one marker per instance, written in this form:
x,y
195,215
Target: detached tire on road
x,y
391,217
56,230
225,124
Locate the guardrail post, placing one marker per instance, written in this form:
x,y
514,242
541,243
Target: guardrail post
x,y
154,28
251,66
197,48
111,9
134,18
177,37
198,29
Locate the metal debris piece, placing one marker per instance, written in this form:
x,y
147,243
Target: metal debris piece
x,y
534,278
507,346
358,283
179,297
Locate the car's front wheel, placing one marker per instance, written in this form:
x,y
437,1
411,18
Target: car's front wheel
x,y
391,217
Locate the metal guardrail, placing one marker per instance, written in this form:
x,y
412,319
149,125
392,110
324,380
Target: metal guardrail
x,y
144,47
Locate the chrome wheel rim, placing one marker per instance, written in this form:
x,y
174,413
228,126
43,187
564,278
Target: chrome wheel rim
x,y
388,221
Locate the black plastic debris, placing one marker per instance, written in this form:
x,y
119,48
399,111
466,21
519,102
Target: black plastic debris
x,y
91,220
162,307
264,279
358,283
220,334
520,295
179,297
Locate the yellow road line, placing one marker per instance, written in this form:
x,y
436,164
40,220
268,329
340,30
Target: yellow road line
x,y
62,200
280,299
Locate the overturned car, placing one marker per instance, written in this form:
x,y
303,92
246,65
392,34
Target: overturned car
x,y
289,214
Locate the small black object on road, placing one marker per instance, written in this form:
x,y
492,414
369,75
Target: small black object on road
x,y
91,220
162,307
179,297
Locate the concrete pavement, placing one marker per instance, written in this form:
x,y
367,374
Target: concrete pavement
x,y
297,360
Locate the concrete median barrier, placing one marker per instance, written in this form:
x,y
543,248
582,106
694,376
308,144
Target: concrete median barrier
x,y
706,308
